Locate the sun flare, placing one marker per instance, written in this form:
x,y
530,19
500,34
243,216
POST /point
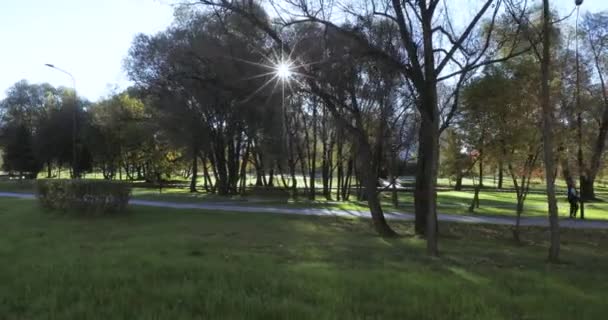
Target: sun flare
x,y
283,70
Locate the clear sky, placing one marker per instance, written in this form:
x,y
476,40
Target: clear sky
x,y
90,38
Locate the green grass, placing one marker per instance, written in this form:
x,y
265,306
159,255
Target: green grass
x,y
168,264
503,203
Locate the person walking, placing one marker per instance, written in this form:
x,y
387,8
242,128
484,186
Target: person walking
x,y
573,199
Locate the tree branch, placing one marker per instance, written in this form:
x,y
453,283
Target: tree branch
x,y
464,36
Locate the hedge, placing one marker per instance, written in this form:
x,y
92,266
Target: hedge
x,y
84,196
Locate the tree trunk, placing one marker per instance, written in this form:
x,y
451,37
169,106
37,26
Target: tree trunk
x,y
330,168
260,175
234,146
587,189
207,178
291,162
347,181
302,166
481,167
127,171
282,175
426,176
500,174
600,142
428,140
271,177
395,194
223,186
587,192
194,171
292,172
581,166
340,167
360,190
195,152
519,210
313,154
325,173
49,171
214,171
243,174
475,201
369,181
547,114
458,185
325,161
393,170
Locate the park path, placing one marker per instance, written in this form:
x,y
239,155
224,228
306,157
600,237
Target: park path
x,y
233,207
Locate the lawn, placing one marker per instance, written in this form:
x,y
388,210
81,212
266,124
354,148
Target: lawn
x,y
170,264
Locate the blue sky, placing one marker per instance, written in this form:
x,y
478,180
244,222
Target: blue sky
x,y
90,38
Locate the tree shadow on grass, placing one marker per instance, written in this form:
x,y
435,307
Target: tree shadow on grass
x,y
191,264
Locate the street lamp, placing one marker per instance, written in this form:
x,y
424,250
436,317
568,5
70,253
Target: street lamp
x,y
74,159
579,118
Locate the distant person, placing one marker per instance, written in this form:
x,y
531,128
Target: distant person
x,y
573,199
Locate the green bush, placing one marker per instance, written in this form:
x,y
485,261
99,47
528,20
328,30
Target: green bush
x,y
84,196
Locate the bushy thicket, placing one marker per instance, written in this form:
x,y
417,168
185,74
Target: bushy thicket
x,y
84,196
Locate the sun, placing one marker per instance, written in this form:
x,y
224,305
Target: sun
x,y
283,70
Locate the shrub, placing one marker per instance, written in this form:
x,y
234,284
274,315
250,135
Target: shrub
x,y
84,196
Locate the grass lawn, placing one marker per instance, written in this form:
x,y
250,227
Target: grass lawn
x,y
170,264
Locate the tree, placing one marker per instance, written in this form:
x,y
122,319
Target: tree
x,y
541,39
456,164
502,105
362,98
518,143
415,52
121,129
32,115
596,30
483,98
521,164
19,156
205,71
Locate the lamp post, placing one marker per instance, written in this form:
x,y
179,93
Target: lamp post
x,y
579,118
74,156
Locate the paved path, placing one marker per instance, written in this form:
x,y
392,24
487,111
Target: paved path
x,y
228,206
